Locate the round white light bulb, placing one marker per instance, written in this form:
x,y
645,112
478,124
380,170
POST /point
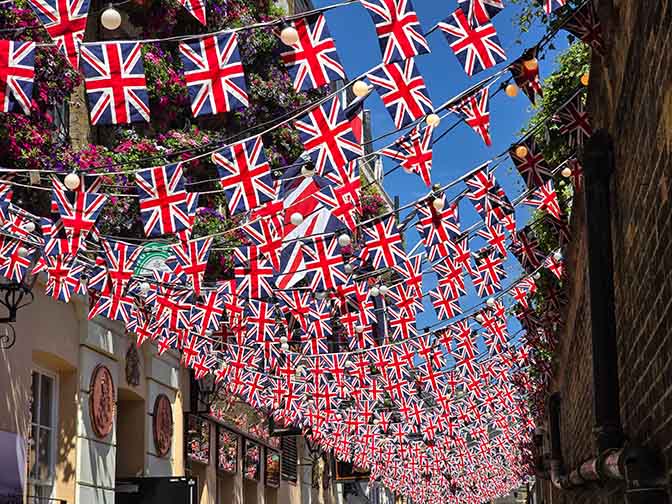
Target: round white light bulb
x,y
566,172
289,35
72,181
144,288
321,295
283,339
307,171
490,302
384,289
284,347
438,204
344,240
558,256
479,318
375,291
29,226
23,251
360,88
296,219
537,275
433,120
348,268
110,18
359,329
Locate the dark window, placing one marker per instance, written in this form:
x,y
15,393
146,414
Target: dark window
x,y
289,458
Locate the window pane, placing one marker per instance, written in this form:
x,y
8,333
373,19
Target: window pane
x,y
33,391
46,400
32,452
44,455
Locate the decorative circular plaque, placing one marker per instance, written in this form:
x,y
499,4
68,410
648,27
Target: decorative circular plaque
x,y
101,401
162,425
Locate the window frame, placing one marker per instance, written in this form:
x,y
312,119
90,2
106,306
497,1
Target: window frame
x,y
49,483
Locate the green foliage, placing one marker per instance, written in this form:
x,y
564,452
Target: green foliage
x,y
533,11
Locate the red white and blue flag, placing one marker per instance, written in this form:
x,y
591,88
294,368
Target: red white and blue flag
x,y
488,197
114,78
532,166
214,74
445,303
489,272
65,22
78,211
414,153
15,259
245,175
313,62
382,244
327,136
552,5
120,258
196,8
17,74
192,260
475,110
398,28
254,274
480,11
324,263
403,92
585,24
574,120
477,47
164,207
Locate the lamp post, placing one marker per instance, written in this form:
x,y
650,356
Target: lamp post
x,y
13,296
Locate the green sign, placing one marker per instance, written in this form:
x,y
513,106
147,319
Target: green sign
x,y
153,257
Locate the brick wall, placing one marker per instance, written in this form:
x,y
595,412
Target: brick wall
x,y
631,96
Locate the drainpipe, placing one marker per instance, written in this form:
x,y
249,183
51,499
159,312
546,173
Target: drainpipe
x,y
598,168
642,469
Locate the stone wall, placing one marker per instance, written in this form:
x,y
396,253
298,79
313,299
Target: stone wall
x,y
630,96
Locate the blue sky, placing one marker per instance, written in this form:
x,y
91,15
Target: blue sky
x,y
462,149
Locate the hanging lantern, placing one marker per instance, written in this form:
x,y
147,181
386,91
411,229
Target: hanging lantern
x,y
72,181
511,90
289,35
360,88
521,151
110,18
433,120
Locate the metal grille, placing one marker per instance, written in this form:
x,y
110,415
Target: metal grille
x,y
289,458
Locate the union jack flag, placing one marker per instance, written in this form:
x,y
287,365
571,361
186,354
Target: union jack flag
x,y
383,244
523,290
163,200
196,8
339,205
574,120
475,110
298,305
406,298
525,247
525,78
324,262
328,137
555,266
319,328
312,62
478,48
446,305
545,198
115,83
254,274
488,197
17,74
489,272
15,259
411,272
79,211
414,153
495,236
450,276
245,175
63,277
532,166
266,237
552,5
65,22
480,11
120,258
403,92
192,260
214,74
87,183
585,24
402,324
113,307
398,28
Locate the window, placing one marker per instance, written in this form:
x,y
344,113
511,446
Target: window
x,y
289,458
42,444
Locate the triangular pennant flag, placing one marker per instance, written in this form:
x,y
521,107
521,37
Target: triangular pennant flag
x,y
475,110
414,153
